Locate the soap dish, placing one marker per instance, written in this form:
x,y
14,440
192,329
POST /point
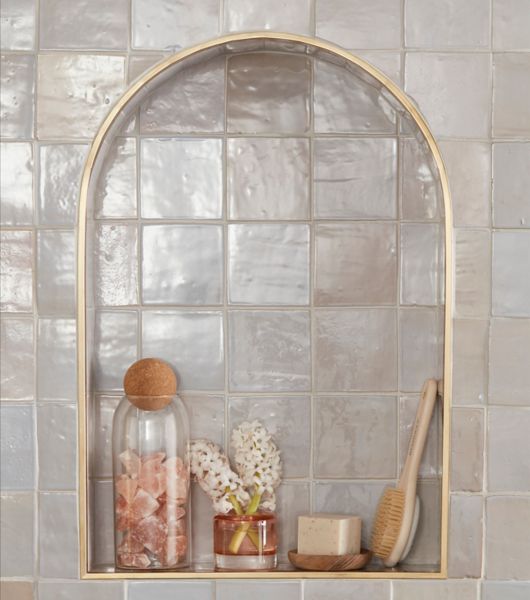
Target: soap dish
x,y
344,562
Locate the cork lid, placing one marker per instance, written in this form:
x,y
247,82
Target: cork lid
x,y
150,383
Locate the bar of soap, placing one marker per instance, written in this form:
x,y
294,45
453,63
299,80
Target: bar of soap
x,y
329,534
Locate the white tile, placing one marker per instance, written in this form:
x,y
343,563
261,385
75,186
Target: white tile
x,y
511,181
191,341
170,590
467,449
56,273
465,541
182,264
17,556
206,413
16,271
458,24
264,590
18,434
140,63
511,274
116,267
101,434
472,272
103,520
511,25
355,350
434,80
56,366
276,15
56,429
16,184
508,449
17,30
80,590
169,25
18,360
60,178
173,184
389,62
287,419
96,25
355,178
17,88
358,24
335,589
268,264
292,500
511,88
16,590
75,92
268,178
435,590
269,351
505,590
470,363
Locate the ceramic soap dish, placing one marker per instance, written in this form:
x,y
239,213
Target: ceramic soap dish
x,y
344,562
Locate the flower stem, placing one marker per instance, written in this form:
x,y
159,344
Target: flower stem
x,y
244,529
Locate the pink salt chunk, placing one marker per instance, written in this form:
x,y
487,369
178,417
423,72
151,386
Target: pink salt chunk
x,y
151,532
126,487
131,461
175,548
170,511
123,514
143,505
130,545
176,528
153,483
135,560
153,461
176,465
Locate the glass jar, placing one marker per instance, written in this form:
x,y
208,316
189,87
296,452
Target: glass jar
x,y
150,440
245,542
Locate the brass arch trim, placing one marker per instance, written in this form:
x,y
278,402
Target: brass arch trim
x,y
97,145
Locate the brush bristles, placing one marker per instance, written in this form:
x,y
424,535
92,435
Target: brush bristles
x,y
388,522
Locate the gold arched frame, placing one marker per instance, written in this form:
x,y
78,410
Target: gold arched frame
x,y
146,83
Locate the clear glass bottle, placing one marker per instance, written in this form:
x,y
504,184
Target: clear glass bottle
x,y
150,440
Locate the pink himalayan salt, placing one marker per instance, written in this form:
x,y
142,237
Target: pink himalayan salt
x,y
175,548
130,545
151,532
143,505
126,487
137,561
131,462
153,482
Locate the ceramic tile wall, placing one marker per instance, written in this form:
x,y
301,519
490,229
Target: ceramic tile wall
x,y
470,76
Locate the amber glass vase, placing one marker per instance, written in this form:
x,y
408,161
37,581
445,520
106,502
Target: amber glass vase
x,y
245,542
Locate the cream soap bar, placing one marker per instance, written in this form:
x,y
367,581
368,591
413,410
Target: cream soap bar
x,y
329,535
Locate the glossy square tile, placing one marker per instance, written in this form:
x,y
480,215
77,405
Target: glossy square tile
x,y
116,191
103,412
435,590
57,428
508,522
469,170
467,449
16,272
206,413
80,590
509,379
268,264
356,263
164,24
335,589
116,266
511,87
56,359
511,24
470,361
103,516
358,24
17,380
16,590
18,433
507,590
421,346
169,590
434,80
458,24
264,590
58,545
292,500
389,62
295,16
420,270
56,273
95,25
355,178
511,180
472,273
182,264
355,350
288,420
351,498
465,541
17,30
343,102
140,63
268,93
16,539
17,89
115,348
511,268
16,184
508,443
75,92
268,178
421,193
61,166
269,351
191,341
431,462
191,101
173,184
355,437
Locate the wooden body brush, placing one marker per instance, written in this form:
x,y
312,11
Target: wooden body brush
x,y
398,511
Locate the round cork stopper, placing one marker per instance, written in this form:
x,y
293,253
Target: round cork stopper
x,y
150,383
